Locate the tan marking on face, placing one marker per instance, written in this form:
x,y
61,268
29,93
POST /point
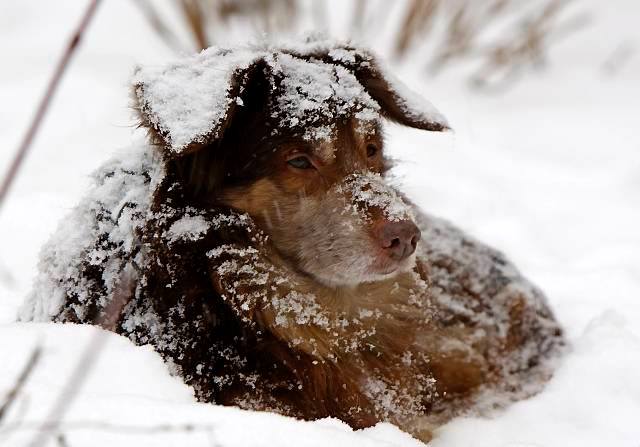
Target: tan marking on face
x,y
326,152
312,215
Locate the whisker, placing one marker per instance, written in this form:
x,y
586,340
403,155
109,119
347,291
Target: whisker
x,y
276,204
267,218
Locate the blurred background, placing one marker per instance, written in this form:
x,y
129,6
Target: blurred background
x,y
543,162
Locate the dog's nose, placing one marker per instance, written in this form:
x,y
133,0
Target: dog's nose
x,y
399,239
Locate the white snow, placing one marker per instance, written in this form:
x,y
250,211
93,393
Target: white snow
x,y
123,188
314,91
369,190
547,172
129,399
188,228
188,116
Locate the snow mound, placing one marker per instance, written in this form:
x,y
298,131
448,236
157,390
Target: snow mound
x,y
130,398
593,399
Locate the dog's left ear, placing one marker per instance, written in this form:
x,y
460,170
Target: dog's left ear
x,y
188,105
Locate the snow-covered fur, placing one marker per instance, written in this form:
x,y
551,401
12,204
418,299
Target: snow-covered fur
x,y
260,282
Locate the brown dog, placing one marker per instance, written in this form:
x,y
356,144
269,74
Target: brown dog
x,y
274,267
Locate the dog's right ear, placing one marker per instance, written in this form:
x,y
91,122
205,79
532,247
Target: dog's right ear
x,y
189,104
397,102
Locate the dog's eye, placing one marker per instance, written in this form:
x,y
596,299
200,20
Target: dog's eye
x,y
372,150
301,162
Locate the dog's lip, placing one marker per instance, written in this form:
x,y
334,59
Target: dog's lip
x,y
388,270
384,266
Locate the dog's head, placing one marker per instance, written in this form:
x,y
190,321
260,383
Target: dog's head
x,y
293,137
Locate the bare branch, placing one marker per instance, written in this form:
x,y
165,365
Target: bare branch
x,y
80,425
62,441
22,378
194,15
159,26
6,277
619,57
107,427
46,100
418,18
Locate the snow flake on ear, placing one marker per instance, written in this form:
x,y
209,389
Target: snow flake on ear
x,y
315,95
413,105
343,55
187,101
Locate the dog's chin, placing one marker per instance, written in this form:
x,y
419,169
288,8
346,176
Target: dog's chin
x,y
352,276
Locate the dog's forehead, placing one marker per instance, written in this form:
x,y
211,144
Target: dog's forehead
x,y
312,98
348,136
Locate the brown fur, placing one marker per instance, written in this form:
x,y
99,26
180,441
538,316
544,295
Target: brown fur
x,y
297,308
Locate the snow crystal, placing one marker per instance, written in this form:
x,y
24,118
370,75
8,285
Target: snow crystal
x,y
187,100
343,55
315,92
188,228
369,190
301,308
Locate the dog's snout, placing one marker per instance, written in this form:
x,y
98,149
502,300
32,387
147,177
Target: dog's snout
x,y
399,239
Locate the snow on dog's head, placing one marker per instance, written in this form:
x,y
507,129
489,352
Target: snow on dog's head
x,y
291,135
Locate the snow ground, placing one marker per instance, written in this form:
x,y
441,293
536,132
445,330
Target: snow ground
x,y
549,172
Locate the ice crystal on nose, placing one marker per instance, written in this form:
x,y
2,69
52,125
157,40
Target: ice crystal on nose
x,y
369,190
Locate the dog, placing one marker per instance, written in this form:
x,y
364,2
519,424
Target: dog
x,y
255,242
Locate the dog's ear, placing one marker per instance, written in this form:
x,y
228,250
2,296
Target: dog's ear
x,y
397,102
189,105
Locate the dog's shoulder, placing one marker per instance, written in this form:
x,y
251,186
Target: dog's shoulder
x,y
80,264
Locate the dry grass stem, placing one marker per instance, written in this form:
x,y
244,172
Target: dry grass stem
x,y
41,111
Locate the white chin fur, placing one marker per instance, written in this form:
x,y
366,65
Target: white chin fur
x,y
356,274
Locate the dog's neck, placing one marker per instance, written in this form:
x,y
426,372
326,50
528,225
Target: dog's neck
x,y
319,320
367,332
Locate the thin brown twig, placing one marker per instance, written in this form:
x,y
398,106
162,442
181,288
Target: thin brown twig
x,y
194,15
20,381
526,47
418,17
6,277
80,425
62,440
25,145
159,26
